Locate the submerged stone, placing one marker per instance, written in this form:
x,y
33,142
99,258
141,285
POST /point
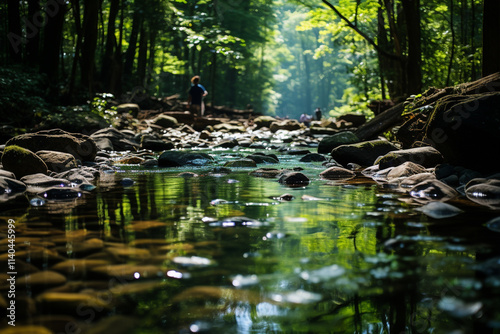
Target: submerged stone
x,y
439,210
179,158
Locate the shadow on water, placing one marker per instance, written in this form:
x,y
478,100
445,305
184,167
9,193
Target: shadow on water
x,y
150,251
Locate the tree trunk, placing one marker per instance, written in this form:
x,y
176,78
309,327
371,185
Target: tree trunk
x,y
75,5
491,31
52,41
132,45
142,59
90,20
14,36
411,9
32,47
109,60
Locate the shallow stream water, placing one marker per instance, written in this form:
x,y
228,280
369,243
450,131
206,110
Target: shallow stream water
x,y
153,252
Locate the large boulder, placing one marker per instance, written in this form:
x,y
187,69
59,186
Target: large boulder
x,y
22,162
113,139
81,146
465,129
426,156
57,161
328,143
364,153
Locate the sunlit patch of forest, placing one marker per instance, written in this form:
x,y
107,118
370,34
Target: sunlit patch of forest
x,y
282,57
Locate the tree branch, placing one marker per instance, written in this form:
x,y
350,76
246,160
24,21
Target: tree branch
x,y
362,34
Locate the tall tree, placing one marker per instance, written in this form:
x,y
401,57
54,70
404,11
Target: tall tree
x,y
90,32
52,40
491,31
14,35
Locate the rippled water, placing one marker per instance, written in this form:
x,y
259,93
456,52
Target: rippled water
x,y
177,256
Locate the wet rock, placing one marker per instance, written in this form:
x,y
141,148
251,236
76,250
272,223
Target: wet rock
x,y
293,179
484,192
464,128
413,180
227,143
22,161
165,121
11,186
313,157
44,181
327,144
240,163
288,125
268,173
296,152
261,158
179,158
404,170
337,173
230,127
364,153
7,174
82,147
433,190
57,161
425,156
152,143
284,198
120,141
263,121
129,160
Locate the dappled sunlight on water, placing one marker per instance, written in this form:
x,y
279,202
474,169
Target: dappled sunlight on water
x,y
222,253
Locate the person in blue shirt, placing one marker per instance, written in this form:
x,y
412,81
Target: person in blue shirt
x,y
196,94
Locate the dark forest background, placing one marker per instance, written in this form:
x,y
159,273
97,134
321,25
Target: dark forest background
x,y
282,57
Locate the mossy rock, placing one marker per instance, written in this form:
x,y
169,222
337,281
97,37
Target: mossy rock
x,y
364,153
22,162
327,144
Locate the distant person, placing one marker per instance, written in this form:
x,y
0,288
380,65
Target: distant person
x,y
306,119
318,114
195,96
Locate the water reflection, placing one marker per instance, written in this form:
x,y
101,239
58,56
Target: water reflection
x,y
218,252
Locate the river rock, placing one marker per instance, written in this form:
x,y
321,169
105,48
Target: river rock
x,y
337,173
261,158
240,163
57,161
425,156
82,147
9,186
267,173
149,142
287,124
433,190
165,121
263,121
293,179
230,127
465,130
327,144
179,158
7,174
78,268
71,303
364,153
313,157
404,170
44,181
227,143
120,141
22,161
484,192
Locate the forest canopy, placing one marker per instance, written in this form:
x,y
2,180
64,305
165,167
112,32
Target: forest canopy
x,y
282,57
